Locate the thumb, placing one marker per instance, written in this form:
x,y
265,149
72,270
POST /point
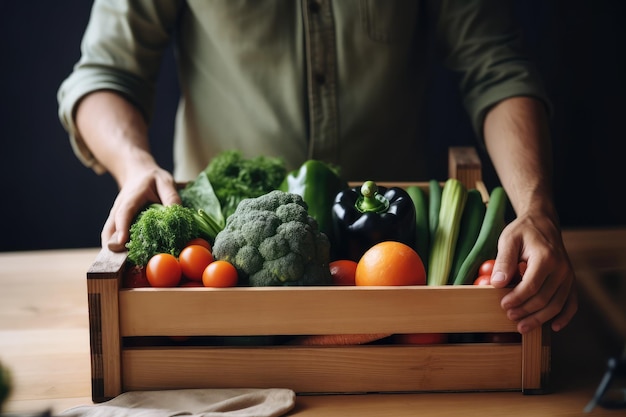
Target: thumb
x,y
506,265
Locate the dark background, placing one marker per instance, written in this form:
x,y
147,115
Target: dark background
x,y
49,200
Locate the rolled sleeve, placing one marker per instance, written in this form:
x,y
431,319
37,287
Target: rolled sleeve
x,y
481,41
121,51
85,81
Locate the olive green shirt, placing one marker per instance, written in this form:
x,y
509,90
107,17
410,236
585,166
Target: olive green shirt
x,y
338,80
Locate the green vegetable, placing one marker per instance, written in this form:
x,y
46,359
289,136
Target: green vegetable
x,y
200,195
473,215
317,183
434,205
367,215
5,385
165,229
273,241
422,231
234,177
453,198
486,245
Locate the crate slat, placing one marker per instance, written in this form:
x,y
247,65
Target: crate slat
x,y
311,310
329,370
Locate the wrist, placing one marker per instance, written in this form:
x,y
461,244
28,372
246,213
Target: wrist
x,y
537,205
134,161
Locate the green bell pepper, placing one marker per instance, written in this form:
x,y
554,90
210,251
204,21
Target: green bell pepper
x,y
317,183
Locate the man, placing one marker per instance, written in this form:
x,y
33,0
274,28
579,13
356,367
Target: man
x,y
342,81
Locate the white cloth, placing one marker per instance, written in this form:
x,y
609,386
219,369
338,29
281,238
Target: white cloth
x,y
236,402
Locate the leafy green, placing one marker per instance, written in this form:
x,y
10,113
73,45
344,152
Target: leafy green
x,y
165,229
200,195
234,177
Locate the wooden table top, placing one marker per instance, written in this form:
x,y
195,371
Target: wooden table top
x,y
44,340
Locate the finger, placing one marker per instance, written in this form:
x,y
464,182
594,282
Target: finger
x,y
533,281
505,268
542,316
124,217
544,306
108,233
108,230
166,190
568,312
541,299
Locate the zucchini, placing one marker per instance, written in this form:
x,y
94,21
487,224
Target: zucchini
x,y
486,245
434,204
472,220
453,198
422,232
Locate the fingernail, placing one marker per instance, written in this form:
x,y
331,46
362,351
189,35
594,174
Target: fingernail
x,y
114,239
497,277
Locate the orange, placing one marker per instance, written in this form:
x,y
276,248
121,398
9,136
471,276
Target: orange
x,y
390,263
343,272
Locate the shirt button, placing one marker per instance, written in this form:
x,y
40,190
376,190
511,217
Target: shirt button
x,y
320,78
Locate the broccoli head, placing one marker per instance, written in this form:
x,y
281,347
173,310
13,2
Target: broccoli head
x,y
273,241
164,229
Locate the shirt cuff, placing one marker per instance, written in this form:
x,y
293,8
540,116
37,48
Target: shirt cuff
x,y
482,104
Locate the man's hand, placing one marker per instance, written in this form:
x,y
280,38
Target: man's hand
x,y
518,141
144,186
547,291
116,134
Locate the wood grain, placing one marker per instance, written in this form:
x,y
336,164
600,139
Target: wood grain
x,y
329,370
313,310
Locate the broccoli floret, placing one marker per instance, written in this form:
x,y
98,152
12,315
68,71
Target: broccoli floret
x,y
273,241
164,229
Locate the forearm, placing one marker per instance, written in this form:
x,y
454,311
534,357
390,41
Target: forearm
x,y
518,142
115,132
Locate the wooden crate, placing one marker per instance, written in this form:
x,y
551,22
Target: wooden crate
x,y
128,328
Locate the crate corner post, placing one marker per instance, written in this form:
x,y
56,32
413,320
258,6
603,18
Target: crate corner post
x,y
536,361
464,164
103,283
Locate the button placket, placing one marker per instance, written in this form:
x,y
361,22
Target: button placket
x,y
321,64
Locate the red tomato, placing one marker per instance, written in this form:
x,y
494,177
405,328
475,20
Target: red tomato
x,y
483,280
486,268
420,338
220,274
135,277
343,272
163,270
199,241
193,260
